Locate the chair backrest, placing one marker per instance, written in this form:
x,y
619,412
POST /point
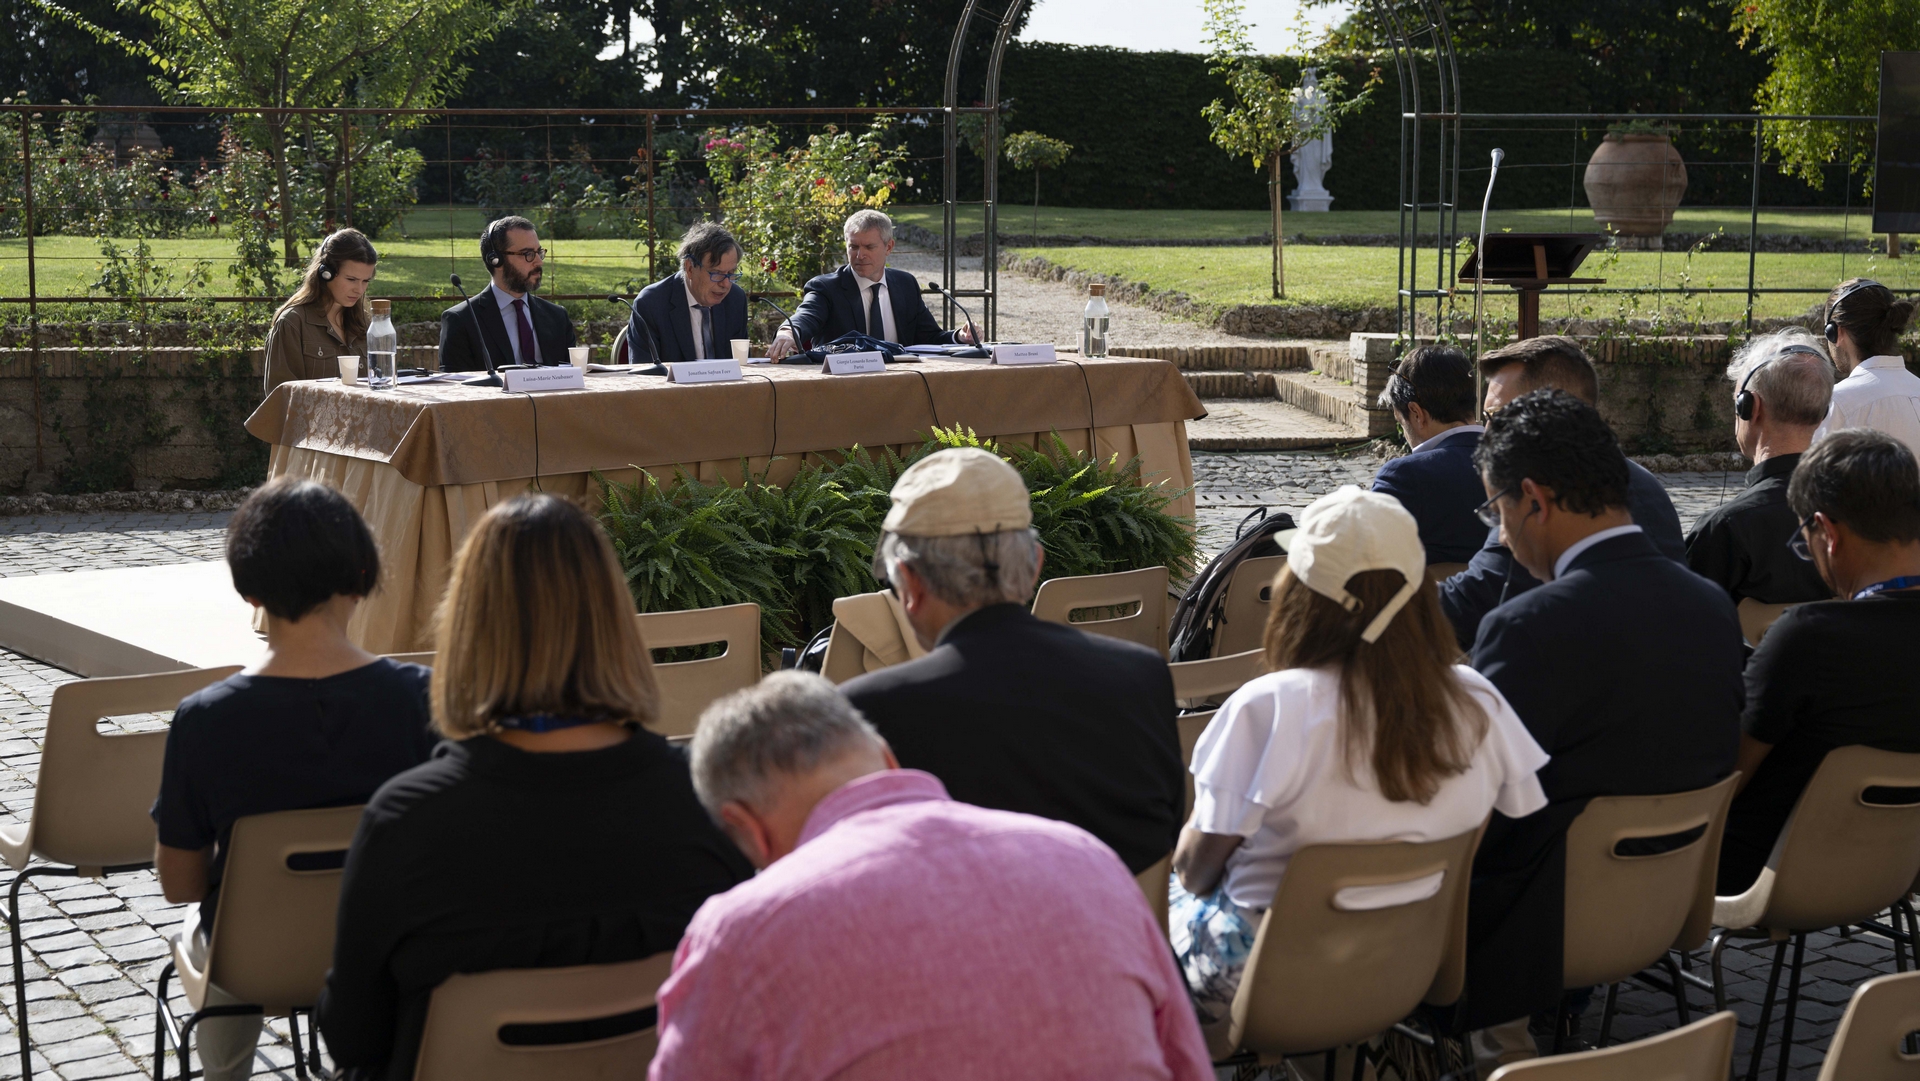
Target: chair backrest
x,y
870,632
1702,1051
687,687
423,658
272,937
1756,617
1243,616
1624,911
1336,962
1440,572
94,794
462,1040
1060,597
1196,680
620,353
1153,883
1868,1045
1841,859
1191,726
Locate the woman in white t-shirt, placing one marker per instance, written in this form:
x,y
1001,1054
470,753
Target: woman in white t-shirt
x,y
1363,730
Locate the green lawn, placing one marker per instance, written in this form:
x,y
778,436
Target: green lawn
x,y
1233,224
1352,277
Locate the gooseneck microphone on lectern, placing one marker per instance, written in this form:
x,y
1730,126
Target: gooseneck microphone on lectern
x,y
653,343
492,378
1480,264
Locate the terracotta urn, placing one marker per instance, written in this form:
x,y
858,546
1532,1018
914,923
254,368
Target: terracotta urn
x,y
1634,183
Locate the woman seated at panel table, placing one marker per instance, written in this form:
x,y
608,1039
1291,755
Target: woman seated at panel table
x,y
552,830
1364,730
326,318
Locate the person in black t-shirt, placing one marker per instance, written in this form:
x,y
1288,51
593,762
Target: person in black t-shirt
x,y
1834,673
1783,382
319,722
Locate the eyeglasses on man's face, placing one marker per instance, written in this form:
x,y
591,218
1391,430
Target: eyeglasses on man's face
x,y
719,277
531,255
1489,512
1797,544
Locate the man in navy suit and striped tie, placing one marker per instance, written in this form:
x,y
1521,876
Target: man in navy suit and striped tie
x,y
694,314
864,296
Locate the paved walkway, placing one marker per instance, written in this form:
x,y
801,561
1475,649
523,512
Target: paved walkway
x,y
95,947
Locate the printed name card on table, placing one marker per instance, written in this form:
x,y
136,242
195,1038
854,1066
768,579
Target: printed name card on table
x,y
854,363
704,371
526,380
1041,353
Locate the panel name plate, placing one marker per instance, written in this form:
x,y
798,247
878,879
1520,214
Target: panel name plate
x,y
560,377
1024,354
854,363
703,371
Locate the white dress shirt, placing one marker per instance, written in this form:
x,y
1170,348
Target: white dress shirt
x,y
887,330
505,300
1435,441
1584,543
1880,393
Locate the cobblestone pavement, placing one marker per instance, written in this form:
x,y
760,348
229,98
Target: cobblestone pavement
x,y
95,948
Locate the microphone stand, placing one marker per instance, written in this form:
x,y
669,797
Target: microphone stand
x,y
942,290
492,378
653,343
1479,279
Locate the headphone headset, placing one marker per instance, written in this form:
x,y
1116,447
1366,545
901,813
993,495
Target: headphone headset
x,y
326,261
489,246
1743,401
1833,328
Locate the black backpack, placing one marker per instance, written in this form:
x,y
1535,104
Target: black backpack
x,y
1197,616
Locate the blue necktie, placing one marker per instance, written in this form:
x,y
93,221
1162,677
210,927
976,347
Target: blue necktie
x,y
706,332
876,327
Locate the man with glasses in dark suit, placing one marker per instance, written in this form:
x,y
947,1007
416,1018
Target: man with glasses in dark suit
x,y
518,327
696,313
866,296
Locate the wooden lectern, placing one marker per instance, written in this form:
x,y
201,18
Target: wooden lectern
x,y
1529,262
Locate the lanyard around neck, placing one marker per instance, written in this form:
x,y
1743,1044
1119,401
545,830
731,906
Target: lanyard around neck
x,y
1904,582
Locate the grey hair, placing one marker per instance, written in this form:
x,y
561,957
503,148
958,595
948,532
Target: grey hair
x,y
706,243
970,570
863,220
788,723
1798,392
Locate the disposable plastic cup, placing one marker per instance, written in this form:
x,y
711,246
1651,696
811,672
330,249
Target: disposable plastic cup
x,y
350,370
578,354
740,349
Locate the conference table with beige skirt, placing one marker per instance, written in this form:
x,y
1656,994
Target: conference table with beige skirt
x,y
422,462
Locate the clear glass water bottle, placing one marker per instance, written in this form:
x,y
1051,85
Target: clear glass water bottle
x,y
1093,323
382,345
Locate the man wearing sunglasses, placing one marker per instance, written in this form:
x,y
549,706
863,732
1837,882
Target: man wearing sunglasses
x,y
696,313
518,327
865,296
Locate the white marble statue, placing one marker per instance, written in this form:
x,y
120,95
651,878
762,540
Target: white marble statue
x,y
1315,157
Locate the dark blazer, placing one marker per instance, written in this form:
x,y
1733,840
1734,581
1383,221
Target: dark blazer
x,y
460,345
1626,670
834,306
1441,488
1018,714
664,304
1492,577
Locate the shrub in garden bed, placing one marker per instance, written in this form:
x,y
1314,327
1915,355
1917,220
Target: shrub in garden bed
x,y
794,549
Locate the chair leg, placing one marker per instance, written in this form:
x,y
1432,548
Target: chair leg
x,y
20,962
1719,977
1679,991
293,1034
160,1025
1606,1015
1766,1012
313,1045
1793,1000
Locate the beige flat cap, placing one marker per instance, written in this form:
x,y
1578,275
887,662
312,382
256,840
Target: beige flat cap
x,y
958,492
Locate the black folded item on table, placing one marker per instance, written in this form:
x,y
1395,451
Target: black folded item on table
x,y
853,343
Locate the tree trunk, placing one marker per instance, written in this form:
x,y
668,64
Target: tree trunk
x,y
277,150
1036,205
1279,255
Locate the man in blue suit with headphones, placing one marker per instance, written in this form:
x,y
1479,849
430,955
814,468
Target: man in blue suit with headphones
x,y
516,326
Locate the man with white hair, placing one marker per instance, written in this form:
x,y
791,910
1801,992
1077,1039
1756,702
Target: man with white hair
x,y
864,296
1783,383
895,932
1010,711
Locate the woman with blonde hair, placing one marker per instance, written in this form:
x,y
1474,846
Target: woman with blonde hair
x,y
552,829
327,317
1364,729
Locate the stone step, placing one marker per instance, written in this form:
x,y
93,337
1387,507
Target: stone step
x,y
1233,358
1345,404
1264,424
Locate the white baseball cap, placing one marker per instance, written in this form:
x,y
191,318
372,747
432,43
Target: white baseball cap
x,y
1347,532
957,492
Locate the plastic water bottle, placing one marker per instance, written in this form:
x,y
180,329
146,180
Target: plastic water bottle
x,y
382,345
1093,323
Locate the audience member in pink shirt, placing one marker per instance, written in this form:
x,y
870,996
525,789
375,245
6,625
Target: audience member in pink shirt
x,y
893,932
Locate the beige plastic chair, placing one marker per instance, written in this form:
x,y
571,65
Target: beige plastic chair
x,y
1702,1051
687,687
462,1037
1756,617
1868,1044
1624,912
1153,883
1328,969
1440,572
1839,860
870,632
272,936
1197,681
93,794
1191,726
1060,597
1243,615
424,658
620,353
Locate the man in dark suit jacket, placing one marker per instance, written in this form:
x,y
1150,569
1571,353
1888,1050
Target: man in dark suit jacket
x,y
1492,576
1431,395
1008,711
1625,666
518,327
864,296
697,313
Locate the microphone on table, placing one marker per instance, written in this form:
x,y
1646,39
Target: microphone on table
x,y
942,290
492,378
653,343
